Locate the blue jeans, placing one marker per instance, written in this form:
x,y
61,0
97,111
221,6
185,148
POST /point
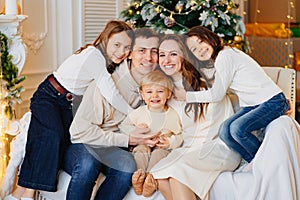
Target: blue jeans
x,y
236,131
48,138
84,164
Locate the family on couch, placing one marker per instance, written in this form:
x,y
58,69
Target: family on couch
x,y
202,71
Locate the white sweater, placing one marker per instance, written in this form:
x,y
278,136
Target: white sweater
x,y
242,75
168,122
79,70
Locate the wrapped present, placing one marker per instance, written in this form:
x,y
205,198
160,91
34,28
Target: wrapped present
x,y
277,30
296,31
270,51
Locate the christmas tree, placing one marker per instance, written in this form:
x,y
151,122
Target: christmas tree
x,y
170,16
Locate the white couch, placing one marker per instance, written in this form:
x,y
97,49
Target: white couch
x,y
283,77
286,79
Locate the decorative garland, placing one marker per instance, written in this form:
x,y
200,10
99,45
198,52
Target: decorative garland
x,y
10,91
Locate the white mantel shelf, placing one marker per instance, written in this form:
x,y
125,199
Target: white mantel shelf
x,y
12,18
10,26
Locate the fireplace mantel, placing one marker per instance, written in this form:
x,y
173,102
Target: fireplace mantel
x,y
10,26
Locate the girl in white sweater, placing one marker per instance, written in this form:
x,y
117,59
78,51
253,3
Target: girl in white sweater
x,y
260,99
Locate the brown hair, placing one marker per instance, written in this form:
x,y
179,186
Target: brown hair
x,y
209,37
112,27
191,76
145,32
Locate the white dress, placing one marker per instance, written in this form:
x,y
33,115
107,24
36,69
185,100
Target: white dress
x,y
203,155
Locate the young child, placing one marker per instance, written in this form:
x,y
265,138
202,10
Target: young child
x,y
260,99
156,90
51,105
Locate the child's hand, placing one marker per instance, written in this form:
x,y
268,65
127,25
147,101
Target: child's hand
x,y
142,125
179,94
138,136
163,142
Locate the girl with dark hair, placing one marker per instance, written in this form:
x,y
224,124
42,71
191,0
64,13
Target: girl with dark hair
x,y
51,105
260,99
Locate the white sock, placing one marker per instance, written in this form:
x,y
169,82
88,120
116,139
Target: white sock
x,y
26,198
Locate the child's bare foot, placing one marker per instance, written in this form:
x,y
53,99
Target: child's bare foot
x,y
137,180
150,186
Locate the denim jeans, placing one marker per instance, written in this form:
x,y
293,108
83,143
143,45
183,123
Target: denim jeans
x,y
236,131
48,138
84,164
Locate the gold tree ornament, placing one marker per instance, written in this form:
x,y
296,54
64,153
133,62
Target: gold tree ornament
x,y
230,6
237,39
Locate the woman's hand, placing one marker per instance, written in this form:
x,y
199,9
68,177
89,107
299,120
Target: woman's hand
x,y
179,94
163,142
139,136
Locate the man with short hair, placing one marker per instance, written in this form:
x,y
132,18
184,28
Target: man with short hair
x,y
97,145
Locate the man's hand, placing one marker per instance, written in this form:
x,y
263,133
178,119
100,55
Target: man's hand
x,y
139,136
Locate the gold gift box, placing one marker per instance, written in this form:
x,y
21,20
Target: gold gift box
x,y
277,30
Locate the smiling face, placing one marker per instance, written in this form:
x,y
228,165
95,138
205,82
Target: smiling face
x,y
118,47
155,96
201,49
171,59
144,55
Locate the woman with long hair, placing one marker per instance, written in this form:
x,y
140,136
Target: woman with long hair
x,y
190,171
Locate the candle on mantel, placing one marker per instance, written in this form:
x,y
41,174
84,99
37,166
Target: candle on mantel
x,y
11,7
